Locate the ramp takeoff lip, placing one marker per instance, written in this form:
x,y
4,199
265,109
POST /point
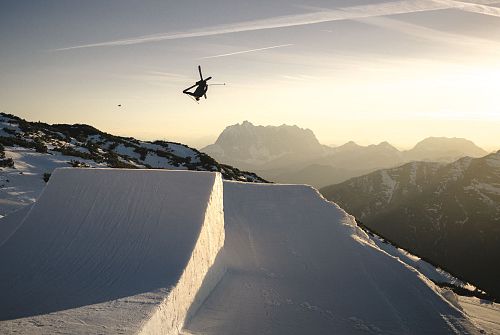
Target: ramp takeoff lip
x,y
121,250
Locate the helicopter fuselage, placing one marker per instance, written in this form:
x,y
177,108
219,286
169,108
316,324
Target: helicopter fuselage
x,y
201,89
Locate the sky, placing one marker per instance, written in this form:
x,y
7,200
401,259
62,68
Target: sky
x,y
362,70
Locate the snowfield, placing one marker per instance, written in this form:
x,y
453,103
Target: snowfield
x,y
297,264
22,186
112,251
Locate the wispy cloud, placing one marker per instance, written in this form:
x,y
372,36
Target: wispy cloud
x,y
347,13
301,77
479,8
432,34
168,76
247,51
156,77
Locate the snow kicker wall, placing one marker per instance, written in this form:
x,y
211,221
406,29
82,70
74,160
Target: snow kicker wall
x,y
112,251
297,264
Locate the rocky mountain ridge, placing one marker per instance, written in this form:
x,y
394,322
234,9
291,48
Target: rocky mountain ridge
x,y
448,213
29,151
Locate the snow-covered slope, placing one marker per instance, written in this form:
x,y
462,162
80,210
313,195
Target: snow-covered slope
x,y
297,264
30,151
148,251
22,184
485,314
448,214
112,251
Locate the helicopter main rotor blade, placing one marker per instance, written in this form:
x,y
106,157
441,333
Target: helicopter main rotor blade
x,y
199,70
208,78
187,89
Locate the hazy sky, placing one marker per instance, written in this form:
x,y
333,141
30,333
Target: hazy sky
x,y
358,70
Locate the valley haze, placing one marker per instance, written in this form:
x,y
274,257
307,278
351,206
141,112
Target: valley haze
x,y
290,154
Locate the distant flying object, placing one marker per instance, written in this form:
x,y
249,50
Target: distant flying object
x,y
119,105
201,87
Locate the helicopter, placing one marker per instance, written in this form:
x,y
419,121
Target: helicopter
x,y
201,87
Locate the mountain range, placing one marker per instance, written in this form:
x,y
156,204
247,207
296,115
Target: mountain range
x,y
289,154
446,213
254,146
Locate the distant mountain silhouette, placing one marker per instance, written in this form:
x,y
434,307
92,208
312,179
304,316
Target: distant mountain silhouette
x,y
443,149
250,146
336,165
448,213
289,154
352,156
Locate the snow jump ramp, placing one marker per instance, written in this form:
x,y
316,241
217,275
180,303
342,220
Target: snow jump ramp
x,y
143,252
112,251
298,264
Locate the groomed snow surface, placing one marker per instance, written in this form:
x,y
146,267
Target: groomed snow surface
x,y
111,251
168,252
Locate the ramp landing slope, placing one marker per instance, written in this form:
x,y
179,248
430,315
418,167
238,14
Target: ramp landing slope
x,y
297,264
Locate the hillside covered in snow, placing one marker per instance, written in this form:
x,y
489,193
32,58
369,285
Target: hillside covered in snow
x,y
30,151
446,213
177,252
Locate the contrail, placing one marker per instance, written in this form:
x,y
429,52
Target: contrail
x,y
347,13
429,33
246,51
